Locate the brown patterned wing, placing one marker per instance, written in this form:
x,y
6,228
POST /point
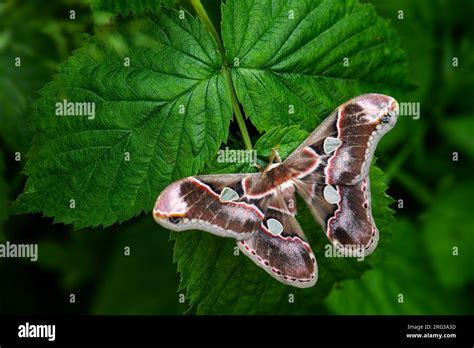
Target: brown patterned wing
x,y
352,226
212,203
341,149
345,212
280,246
260,217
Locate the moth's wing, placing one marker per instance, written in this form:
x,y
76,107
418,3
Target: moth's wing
x,y
219,181
197,201
352,224
341,149
313,195
309,157
344,212
286,254
212,203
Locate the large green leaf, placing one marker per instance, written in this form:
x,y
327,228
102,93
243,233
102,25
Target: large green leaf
x,y
168,111
219,281
287,57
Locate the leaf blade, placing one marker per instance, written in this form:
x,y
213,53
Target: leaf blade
x,y
296,57
151,111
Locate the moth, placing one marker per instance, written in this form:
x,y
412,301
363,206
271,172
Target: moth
x,y
329,170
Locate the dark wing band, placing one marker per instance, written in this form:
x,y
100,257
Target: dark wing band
x,y
345,213
345,142
212,203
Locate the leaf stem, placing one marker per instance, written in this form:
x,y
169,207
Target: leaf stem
x,y
201,12
237,113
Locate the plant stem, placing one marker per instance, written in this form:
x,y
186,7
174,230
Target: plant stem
x,y
236,107
201,12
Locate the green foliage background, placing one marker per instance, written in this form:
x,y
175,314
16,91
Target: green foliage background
x,y
415,256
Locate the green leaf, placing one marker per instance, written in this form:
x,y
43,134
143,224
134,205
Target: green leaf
x,y
285,138
217,281
287,57
168,111
405,271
